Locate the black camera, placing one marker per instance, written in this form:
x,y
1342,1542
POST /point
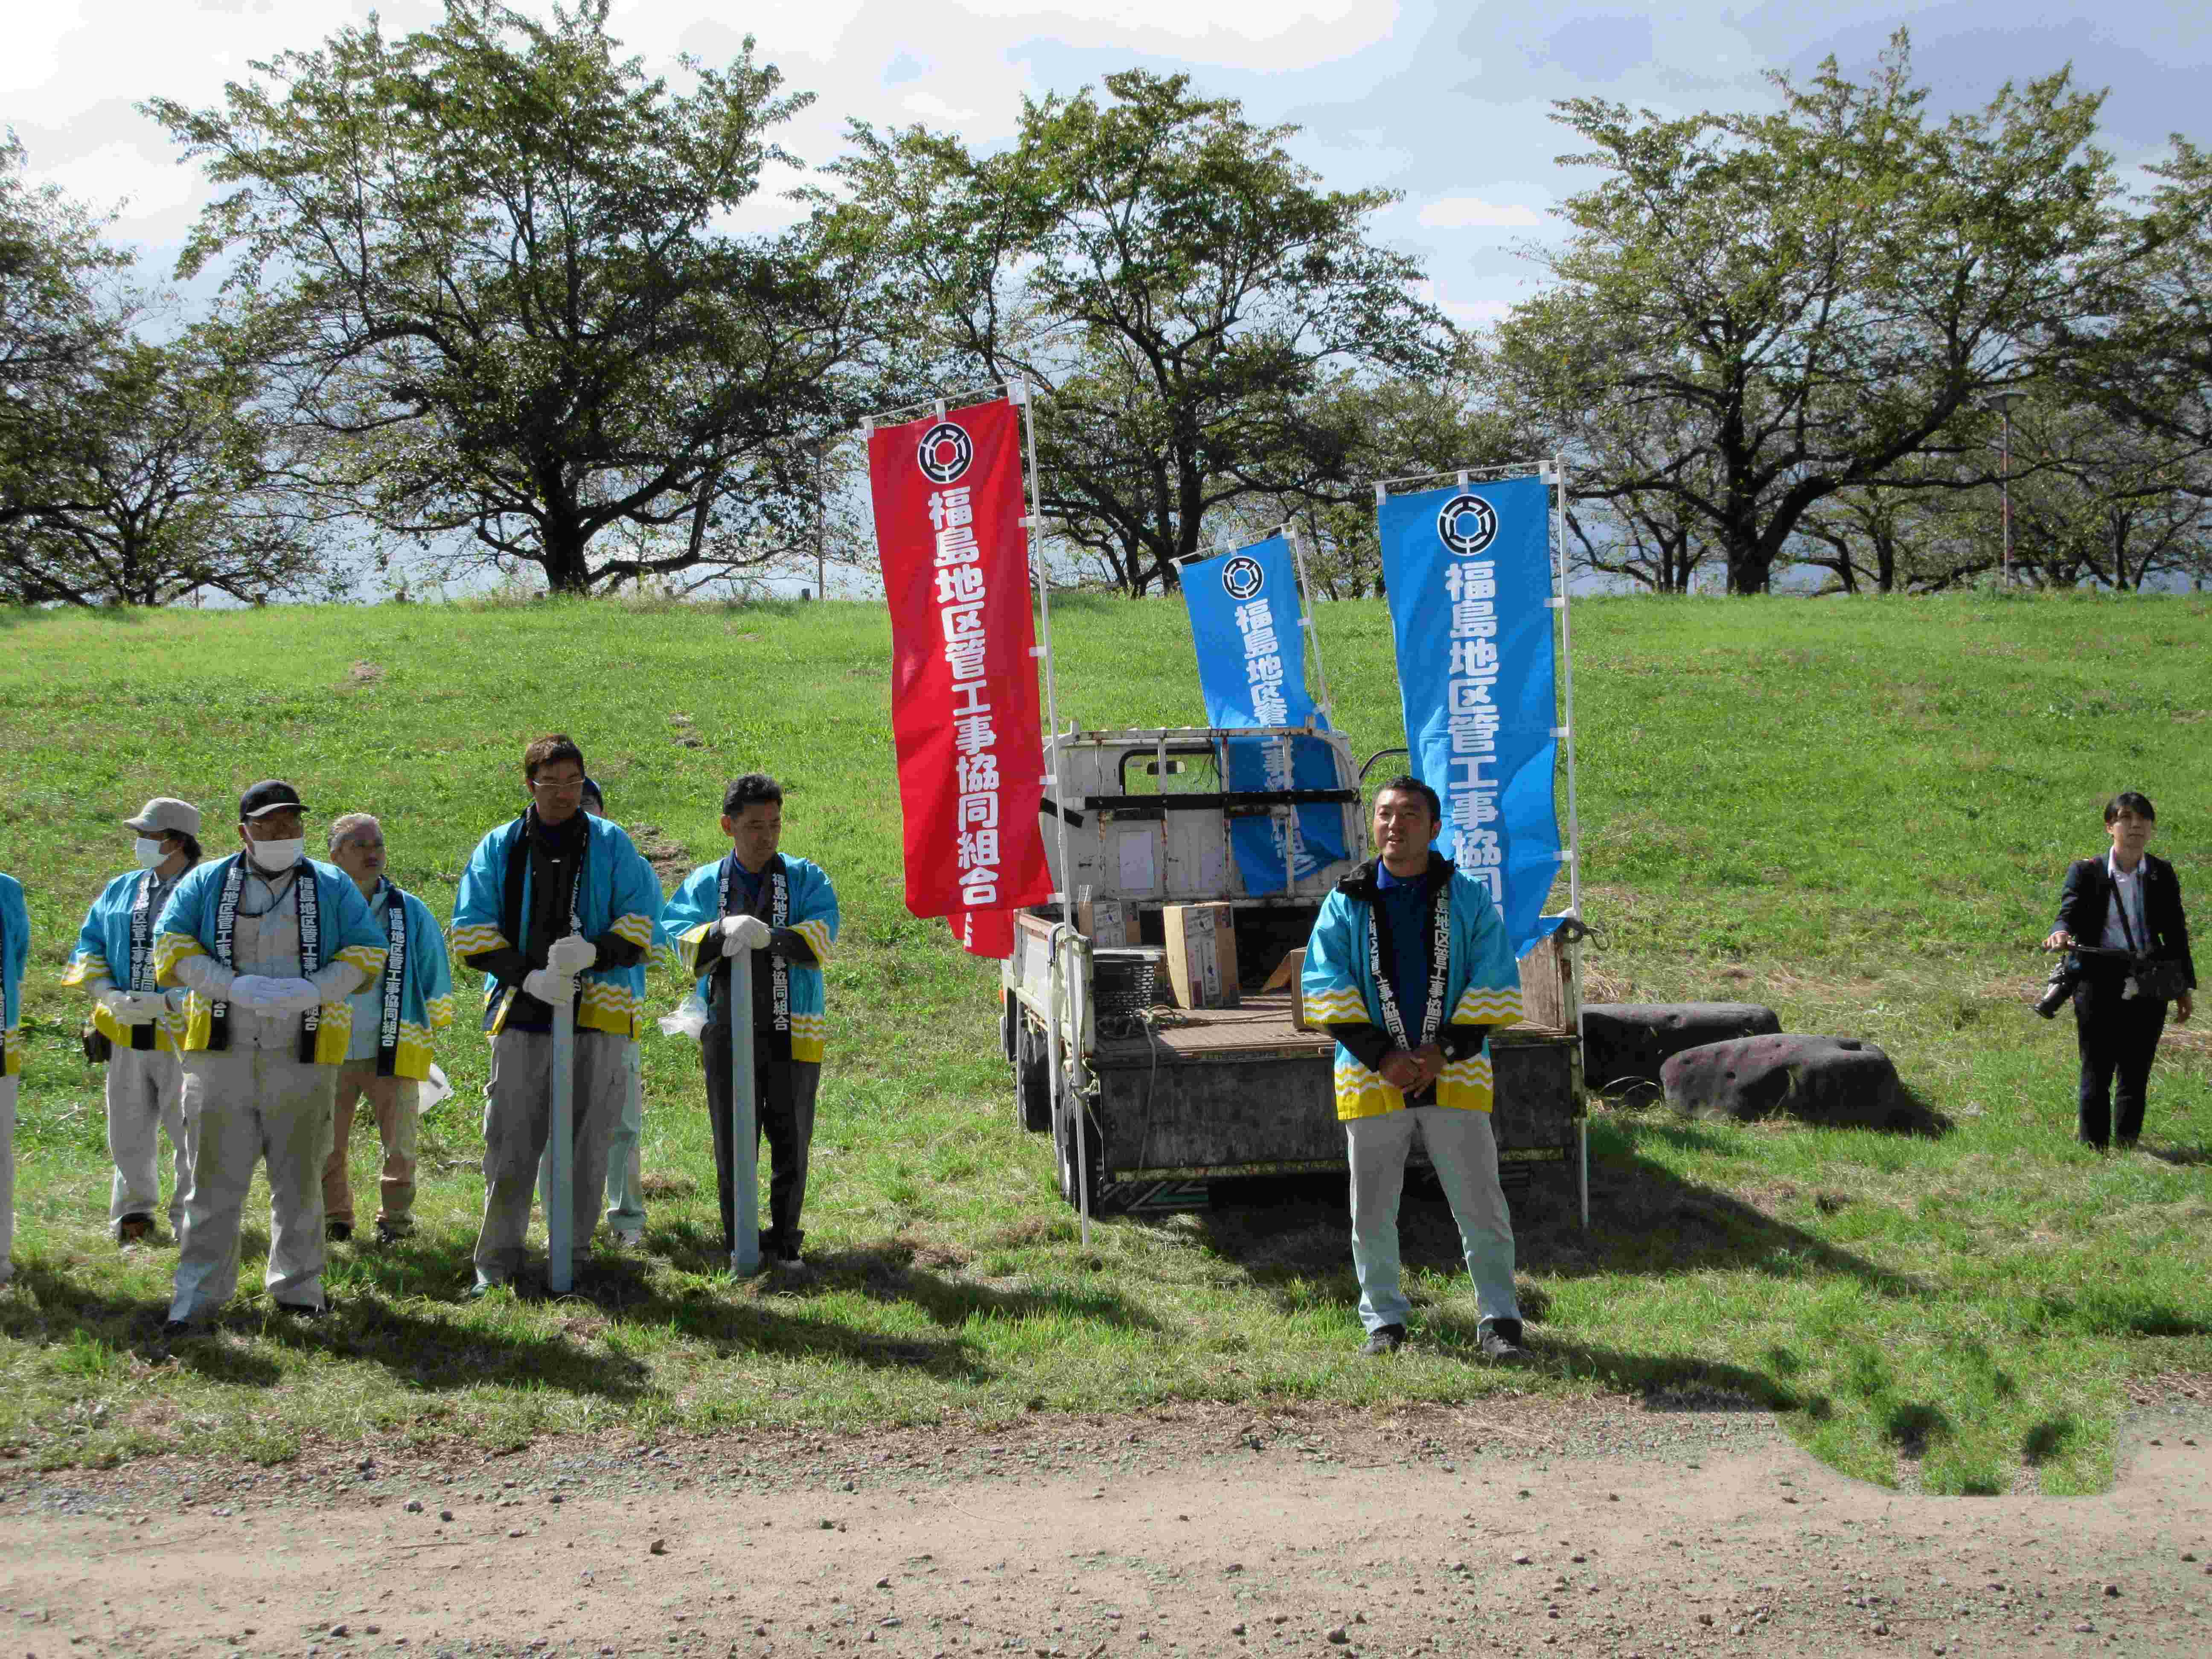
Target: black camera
x,y
2064,976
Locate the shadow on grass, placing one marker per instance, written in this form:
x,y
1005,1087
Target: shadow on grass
x,y
2184,1156
1643,1218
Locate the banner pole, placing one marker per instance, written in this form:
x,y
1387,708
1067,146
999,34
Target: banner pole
x,y
1567,672
560,1154
1034,526
1309,620
745,1136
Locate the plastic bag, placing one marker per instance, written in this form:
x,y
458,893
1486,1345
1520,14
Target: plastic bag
x,y
435,1087
689,1020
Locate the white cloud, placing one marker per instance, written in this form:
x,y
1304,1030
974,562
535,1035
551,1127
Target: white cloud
x,y
931,107
1259,34
1473,213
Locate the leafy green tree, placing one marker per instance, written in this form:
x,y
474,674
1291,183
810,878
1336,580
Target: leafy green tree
x,y
62,303
1187,294
483,261
178,485
1799,301
2144,353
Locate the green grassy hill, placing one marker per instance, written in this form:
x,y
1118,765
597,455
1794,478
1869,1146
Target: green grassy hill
x,y
1858,812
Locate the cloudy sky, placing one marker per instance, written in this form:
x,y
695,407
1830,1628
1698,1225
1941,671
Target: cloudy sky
x,y
1447,103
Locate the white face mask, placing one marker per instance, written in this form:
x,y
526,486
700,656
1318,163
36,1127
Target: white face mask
x,y
277,856
149,853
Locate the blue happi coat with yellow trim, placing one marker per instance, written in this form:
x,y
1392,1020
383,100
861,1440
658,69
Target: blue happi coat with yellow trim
x,y
617,893
344,929
15,957
1482,987
698,904
426,982
103,952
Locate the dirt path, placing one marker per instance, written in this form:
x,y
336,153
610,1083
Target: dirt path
x,y
1521,1527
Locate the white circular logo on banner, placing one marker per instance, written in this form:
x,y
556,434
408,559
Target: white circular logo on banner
x,y
1468,524
1242,577
944,451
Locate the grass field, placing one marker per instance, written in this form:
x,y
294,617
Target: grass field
x,y
1856,811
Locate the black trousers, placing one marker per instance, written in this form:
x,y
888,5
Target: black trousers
x,y
783,1115
2119,1037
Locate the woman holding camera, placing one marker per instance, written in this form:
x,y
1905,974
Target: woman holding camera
x,y
2125,901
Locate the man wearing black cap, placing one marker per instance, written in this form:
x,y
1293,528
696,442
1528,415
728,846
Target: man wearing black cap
x,y
114,960
268,944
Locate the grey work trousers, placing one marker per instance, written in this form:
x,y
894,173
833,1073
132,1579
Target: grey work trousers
x,y
244,1107
518,1117
1464,1153
145,1096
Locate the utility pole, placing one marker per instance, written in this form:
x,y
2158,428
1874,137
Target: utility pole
x,y
2002,403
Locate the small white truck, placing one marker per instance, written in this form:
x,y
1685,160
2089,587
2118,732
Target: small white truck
x,y
1165,1099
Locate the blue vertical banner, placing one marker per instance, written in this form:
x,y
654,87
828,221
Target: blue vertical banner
x,y
1245,619
1244,615
1469,576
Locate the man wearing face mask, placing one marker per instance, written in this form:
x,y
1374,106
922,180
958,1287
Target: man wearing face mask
x,y
388,1056
268,944
555,906
114,960
785,908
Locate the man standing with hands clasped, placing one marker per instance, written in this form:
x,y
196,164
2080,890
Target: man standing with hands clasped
x,y
388,1057
1408,969
270,944
755,899
114,960
556,906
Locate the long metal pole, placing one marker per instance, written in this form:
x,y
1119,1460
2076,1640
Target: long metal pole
x,y
1574,955
561,1154
745,1141
821,510
1308,622
2004,496
1035,526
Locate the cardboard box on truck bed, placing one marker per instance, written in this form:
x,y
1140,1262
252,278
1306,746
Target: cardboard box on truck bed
x,y
1201,944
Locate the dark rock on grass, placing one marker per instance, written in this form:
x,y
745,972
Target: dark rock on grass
x,y
1841,1082
1625,1043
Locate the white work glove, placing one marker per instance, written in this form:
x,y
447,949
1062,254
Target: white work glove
x,y
294,996
131,1008
256,991
548,986
744,934
571,955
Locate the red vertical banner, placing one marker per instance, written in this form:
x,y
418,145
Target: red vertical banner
x,y
948,502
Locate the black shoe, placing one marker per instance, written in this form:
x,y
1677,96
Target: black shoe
x,y
306,1311
1501,1342
173,1328
388,1233
1384,1338
338,1232
133,1229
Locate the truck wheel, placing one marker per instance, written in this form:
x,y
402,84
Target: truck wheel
x,y
1032,1076
1010,1023
1064,1127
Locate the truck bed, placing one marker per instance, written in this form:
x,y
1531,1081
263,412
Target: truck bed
x,y
1260,1029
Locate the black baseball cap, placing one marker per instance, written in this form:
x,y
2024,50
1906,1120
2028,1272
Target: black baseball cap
x,y
270,795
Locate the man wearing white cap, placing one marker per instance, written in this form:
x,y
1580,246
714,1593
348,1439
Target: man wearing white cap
x,y
270,944
388,1056
114,960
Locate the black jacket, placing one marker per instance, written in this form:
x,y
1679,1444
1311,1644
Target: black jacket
x,y
2088,896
